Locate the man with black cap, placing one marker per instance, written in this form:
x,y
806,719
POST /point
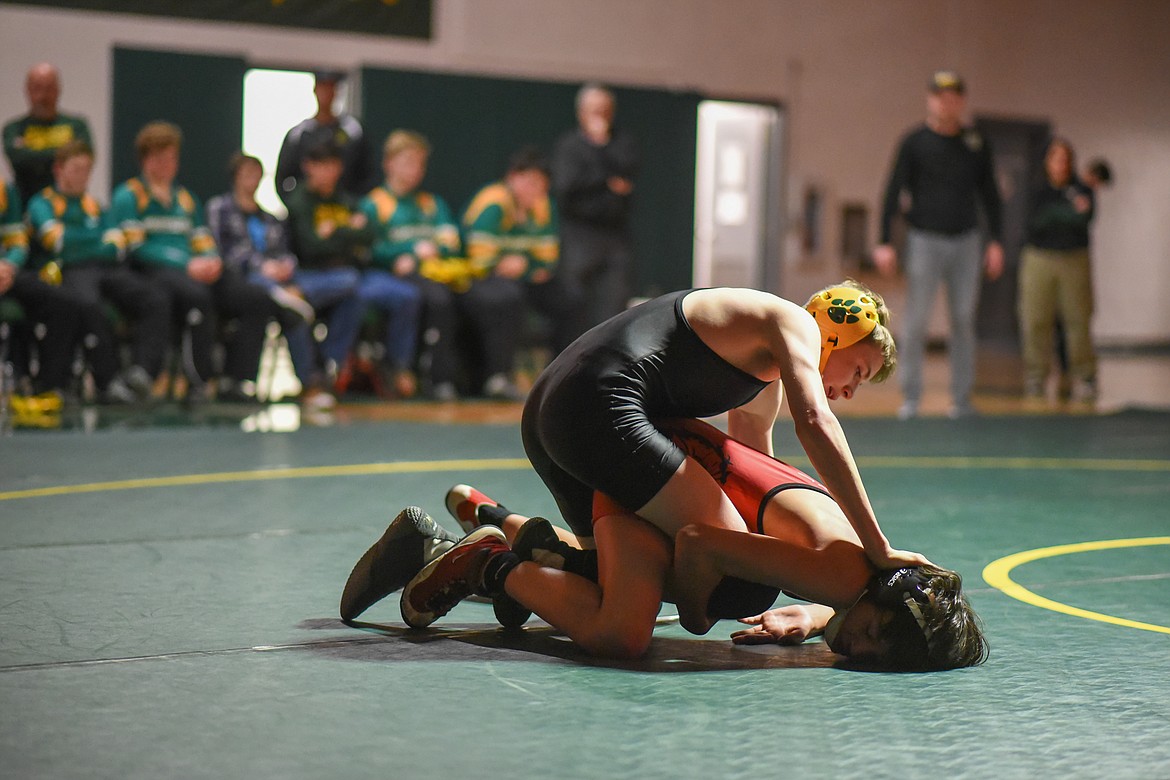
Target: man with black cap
x,y
945,168
345,132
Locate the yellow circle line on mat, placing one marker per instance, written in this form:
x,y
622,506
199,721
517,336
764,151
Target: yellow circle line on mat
x,y
360,469
997,574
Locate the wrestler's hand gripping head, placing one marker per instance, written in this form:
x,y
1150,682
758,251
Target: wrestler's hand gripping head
x,y
844,315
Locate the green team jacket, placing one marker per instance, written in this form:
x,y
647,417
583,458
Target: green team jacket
x,y
31,145
494,226
308,213
402,221
158,235
72,230
13,238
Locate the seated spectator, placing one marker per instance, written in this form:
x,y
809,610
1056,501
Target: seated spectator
x,y
418,241
172,246
78,247
253,242
329,239
510,231
256,243
31,141
332,228
43,304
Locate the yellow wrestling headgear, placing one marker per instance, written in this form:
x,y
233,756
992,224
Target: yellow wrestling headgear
x,y
844,315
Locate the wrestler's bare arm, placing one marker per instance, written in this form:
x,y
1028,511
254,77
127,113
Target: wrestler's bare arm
x,y
824,441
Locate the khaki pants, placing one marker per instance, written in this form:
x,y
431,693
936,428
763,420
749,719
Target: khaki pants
x,y
1056,283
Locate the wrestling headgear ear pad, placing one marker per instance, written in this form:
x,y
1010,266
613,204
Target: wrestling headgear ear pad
x,y
844,315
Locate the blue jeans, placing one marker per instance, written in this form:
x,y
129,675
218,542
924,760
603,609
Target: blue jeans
x,y
334,291
400,302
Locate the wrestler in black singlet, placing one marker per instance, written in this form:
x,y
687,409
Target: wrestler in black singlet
x,y
587,422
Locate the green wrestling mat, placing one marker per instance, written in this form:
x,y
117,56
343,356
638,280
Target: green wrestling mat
x,y
169,599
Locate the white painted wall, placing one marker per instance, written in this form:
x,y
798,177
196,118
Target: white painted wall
x,y
850,73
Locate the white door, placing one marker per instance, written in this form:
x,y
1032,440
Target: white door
x,y
737,196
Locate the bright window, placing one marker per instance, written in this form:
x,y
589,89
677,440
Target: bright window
x,y
274,101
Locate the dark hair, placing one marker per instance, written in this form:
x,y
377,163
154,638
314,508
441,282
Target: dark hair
x,y
71,149
330,75
528,158
1099,167
326,150
238,160
951,634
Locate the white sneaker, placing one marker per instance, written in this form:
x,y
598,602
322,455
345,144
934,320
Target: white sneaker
x,y
908,410
293,302
317,400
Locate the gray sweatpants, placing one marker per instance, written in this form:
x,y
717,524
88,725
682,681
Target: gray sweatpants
x,y
956,261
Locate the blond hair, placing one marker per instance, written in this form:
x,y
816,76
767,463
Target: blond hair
x,y
401,140
156,136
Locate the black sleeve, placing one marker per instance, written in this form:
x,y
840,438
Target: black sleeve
x,y
898,182
366,175
579,182
288,165
623,155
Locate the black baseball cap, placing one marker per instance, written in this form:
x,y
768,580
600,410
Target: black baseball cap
x,y
329,75
942,80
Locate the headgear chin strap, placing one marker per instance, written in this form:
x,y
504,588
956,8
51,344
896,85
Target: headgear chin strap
x,y
845,316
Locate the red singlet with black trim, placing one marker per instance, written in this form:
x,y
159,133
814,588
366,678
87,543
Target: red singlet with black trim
x,y
748,477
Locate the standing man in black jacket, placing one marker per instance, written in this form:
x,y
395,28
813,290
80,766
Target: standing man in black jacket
x,y
945,170
343,131
593,179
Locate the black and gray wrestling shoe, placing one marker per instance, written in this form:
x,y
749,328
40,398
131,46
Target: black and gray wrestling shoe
x,y
410,542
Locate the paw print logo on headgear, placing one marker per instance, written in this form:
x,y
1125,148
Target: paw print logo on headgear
x,y
844,311
844,315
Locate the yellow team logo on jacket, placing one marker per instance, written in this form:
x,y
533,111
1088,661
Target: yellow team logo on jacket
x,y
38,139
330,213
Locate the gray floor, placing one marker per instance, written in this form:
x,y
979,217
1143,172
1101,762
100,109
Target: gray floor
x,y
179,626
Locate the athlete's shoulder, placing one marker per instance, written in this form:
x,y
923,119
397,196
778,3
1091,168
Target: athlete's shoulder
x,y
736,299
